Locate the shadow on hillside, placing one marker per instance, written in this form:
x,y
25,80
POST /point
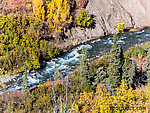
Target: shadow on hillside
x,y
93,25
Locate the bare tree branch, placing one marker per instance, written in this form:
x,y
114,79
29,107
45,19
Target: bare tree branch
x,y
60,103
72,106
66,93
55,110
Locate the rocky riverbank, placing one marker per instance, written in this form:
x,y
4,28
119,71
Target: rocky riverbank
x,y
106,14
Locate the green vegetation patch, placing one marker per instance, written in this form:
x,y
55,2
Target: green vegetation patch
x,y
22,45
84,20
136,52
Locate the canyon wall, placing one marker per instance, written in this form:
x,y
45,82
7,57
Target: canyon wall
x,y
139,9
106,15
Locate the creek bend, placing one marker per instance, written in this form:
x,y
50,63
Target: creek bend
x,y
67,62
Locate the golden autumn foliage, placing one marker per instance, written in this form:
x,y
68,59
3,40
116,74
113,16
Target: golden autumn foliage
x,y
38,9
120,27
125,100
55,12
58,13
83,20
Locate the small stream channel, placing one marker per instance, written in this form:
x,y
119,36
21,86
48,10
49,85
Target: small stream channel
x,y
67,62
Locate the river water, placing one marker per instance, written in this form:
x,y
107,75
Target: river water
x,y
67,62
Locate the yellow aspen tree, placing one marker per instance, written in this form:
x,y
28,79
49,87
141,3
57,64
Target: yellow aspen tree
x,y
38,9
58,14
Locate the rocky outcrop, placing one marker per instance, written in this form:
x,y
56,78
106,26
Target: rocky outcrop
x,y
106,15
139,9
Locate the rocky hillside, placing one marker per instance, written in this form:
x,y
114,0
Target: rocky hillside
x,y
106,15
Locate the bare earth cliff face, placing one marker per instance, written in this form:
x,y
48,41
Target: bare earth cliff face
x,y
107,13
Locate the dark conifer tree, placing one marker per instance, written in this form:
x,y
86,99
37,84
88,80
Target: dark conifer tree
x,y
133,75
27,98
125,74
85,74
25,82
57,74
101,74
115,66
147,67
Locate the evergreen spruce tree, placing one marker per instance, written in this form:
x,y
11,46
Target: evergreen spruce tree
x,y
57,74
27,98
25,82
147,67
130,75
100,76
115,66
125,74
133,75
84,72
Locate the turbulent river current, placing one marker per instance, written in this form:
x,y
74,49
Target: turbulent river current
x,y
67,62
